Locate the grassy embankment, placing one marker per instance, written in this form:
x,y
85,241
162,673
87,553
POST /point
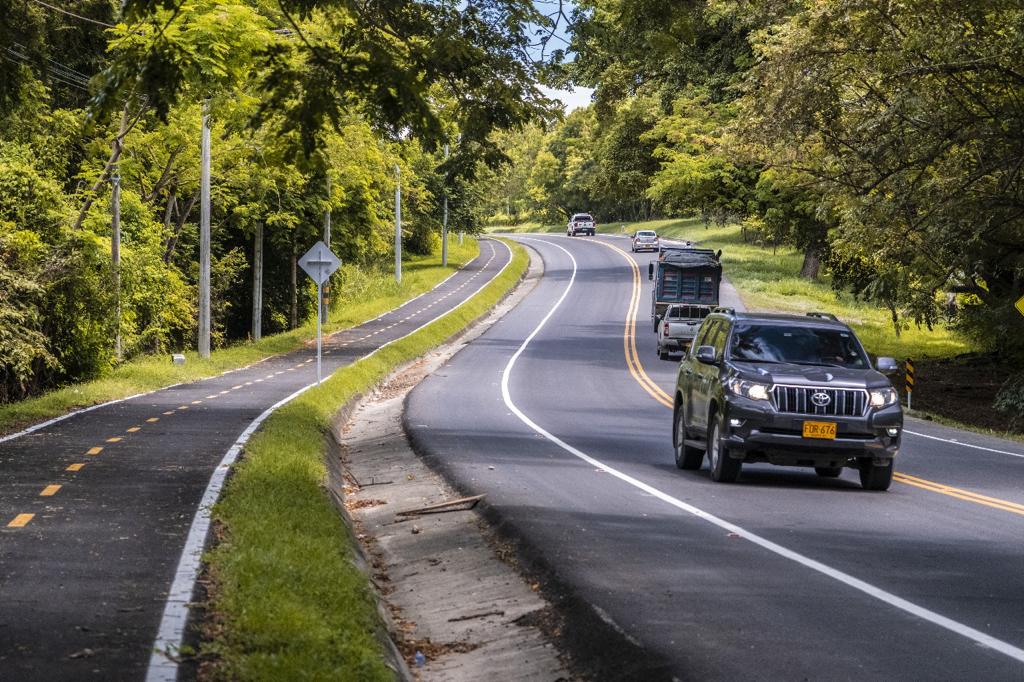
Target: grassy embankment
x,y
768,280
288,602
360,297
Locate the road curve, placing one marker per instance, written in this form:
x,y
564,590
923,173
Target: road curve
x,y
783,575
95,509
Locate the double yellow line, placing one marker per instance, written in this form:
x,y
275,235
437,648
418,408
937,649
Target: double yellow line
x,y
629,336
960,493
636,369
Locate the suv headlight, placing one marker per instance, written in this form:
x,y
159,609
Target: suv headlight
x,y
884,397
748,389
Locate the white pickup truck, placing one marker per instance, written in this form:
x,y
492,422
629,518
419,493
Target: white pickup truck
x,y
677,329
581,223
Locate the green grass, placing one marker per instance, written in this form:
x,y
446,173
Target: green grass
x,y
769,280
362,296
288,600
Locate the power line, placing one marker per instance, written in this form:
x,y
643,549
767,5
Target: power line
x,y
72,14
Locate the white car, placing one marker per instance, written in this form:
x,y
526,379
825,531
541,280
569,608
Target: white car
x,y
645,240
581,223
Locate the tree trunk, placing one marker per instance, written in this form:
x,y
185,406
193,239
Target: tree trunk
x,y
812,264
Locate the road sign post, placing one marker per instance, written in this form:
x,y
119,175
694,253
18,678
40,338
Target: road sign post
x,y
319,263
909,382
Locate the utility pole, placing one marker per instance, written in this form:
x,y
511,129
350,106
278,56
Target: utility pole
x,y
115,254
398,224
326,301
257,284
204,238
444,223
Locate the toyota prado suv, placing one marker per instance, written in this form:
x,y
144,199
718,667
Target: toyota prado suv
x,y
789,390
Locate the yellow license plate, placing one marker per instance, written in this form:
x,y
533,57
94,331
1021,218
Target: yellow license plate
x,y
825,430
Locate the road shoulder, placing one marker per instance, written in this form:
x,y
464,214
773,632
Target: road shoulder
x,y
448,594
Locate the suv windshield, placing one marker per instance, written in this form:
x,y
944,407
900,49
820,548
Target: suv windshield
x,y
753,342
582,216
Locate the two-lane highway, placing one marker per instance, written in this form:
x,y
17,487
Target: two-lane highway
x,y
98,511
558,413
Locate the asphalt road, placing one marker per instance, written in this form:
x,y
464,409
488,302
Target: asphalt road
x,y
783,575
95,509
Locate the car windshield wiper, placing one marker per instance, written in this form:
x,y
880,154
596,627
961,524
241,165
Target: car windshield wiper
x,y
767,362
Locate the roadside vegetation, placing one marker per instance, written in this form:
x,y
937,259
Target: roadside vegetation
x,y
360,295
314,107
286,599
868,146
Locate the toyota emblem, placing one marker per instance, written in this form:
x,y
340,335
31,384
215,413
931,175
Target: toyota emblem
x,y
821,399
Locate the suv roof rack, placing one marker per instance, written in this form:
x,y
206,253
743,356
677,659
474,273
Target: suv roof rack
x,y
824,316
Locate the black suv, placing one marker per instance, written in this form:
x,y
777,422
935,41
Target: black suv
x,y
785,389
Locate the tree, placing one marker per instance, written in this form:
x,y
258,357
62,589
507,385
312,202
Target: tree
x,y
909,116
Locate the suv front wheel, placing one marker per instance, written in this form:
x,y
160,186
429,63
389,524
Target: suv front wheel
x,y
876,476
724,468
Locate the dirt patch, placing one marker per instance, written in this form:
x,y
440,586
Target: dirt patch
x,y
963,389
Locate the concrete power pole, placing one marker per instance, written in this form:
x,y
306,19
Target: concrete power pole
x,y
326,302
398,224
204,238
444,223
115,255
257,284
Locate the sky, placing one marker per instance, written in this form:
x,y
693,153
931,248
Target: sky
x,y
578,97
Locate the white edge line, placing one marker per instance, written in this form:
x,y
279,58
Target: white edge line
x,y
966,631
966,445
74,413
171,632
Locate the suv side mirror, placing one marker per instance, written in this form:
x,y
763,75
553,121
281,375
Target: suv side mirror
x,y
650,271
707,355
887,366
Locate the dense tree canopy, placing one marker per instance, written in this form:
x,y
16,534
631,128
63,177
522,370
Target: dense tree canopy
x,y
884,139
313,103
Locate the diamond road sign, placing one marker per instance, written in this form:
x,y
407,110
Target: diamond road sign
x,y
319,263
1020,305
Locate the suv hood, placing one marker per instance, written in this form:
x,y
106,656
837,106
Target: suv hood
x,y
811,375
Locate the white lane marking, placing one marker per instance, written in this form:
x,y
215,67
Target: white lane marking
x,y
966,445
966,631
162,664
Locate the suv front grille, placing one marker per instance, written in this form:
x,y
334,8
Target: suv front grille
x,y
842,402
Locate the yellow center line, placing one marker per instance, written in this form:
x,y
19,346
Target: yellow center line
x,y
636,369
116,439
153,420
50,490
75,467
960,493
21,520
94,451
134,429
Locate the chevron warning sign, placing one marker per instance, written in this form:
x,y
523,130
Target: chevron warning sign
x,y
1020,305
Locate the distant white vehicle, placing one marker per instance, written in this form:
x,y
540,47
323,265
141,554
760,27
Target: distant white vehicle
x,y
581,223
645,240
